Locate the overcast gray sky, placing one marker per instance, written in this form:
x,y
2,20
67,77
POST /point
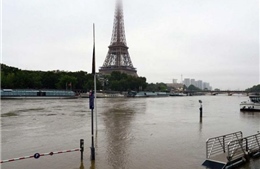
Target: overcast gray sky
x,y
216,41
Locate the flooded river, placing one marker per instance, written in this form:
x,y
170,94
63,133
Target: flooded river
x,y
133,133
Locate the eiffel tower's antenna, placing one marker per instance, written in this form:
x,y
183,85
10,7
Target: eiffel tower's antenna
x,y
118,58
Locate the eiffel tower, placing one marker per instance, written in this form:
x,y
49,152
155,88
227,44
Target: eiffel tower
x,y
118,58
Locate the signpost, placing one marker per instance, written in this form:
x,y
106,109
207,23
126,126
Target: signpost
x,y
92,99
91,106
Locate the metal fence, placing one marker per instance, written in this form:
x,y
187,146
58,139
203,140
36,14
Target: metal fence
x,y
218,145
242,147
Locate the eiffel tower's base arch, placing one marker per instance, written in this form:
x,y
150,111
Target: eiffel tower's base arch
x,y
122,69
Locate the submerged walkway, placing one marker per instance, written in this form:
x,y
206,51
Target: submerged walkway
x,y
230,150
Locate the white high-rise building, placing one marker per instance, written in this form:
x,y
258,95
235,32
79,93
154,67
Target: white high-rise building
x,y
206,86
200,84
193,82
174,81
186,82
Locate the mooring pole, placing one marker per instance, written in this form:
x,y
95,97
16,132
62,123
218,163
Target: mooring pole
x,y
200,108
91,106
81,149
200,111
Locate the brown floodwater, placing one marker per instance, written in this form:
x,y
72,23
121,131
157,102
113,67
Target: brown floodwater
x,y
134,133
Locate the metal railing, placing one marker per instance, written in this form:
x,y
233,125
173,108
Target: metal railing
x,y
38,155
236,149
253,143
218,145
242,147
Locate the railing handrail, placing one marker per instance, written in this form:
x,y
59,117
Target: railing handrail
x,y
234,146
213,148
246,146
225,135
38,155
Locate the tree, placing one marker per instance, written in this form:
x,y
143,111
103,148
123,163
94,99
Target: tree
x,y
22,80
37,80
15,78
66,82
185,87
193,88
81,79
7,80
255,88
49,80
157,87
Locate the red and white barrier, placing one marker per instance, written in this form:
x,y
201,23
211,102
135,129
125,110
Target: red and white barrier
x,y
38,155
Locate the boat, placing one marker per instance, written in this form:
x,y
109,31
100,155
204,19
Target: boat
x,y
178,94
102,95
253,104
109,95
36,94
147,94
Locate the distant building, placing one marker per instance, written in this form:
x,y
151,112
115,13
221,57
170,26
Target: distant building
x,y
174,80
193,82
210,88
186,82
206,86
176,86
200,84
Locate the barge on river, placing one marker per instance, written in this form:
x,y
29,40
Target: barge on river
x,y
142,94
37,94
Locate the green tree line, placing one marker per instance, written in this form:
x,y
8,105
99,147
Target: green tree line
x,y
255,88
14,78
118,81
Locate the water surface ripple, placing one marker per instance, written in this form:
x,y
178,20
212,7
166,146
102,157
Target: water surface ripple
x,y
138,133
